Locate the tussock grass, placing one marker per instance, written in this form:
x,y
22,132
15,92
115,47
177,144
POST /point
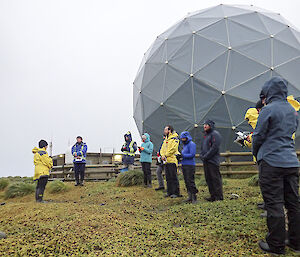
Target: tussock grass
x,y
19,189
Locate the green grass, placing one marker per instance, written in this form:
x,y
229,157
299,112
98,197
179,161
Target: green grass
x,y
19,189
101,219
58,187
253,181
3,183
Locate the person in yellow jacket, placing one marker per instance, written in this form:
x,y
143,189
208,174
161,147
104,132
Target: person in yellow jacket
x,y
168,152
43,164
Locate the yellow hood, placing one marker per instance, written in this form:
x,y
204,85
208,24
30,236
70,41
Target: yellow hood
x,y
36,149
293,102
252,116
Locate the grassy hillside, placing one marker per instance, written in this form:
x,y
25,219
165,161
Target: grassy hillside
x,y
101,219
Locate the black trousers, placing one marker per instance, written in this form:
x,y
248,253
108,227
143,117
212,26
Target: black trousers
x,y
280,187
172,179
189,178
214,180
40,188
79,171
146,167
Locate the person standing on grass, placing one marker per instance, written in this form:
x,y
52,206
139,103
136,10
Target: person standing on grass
x,y
128,149
146,151
43,164
79,152
168,153
159,170
188,165
274,149
210,156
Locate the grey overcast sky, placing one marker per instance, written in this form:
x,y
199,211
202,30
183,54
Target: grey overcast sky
x,y
67,67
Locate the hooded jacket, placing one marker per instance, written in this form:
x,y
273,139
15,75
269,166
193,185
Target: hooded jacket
x,y
210,147
189,149
43,163
276,124
80,150
146,154
129,148
169,148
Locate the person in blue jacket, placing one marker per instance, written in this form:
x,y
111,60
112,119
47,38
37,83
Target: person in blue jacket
x,y
146,151
274,149
128,148
79,152
210,156
188,165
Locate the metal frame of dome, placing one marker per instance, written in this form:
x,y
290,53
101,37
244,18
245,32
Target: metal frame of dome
x,y
212,64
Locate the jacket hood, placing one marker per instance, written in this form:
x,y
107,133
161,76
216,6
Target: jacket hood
x,y
251,116
275,89
128,134
187,135
36,149
174,134
147,137
211,124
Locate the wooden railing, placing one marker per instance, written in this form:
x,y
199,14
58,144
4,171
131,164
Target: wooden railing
x,y
108,171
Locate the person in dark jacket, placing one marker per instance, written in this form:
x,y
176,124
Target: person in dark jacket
x,y
188,165
79,152
210,155
128,148
274,149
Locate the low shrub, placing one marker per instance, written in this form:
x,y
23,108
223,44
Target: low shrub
x,y
130,178
19,189
3,183
58,186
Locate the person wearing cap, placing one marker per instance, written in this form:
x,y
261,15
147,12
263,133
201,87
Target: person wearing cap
x,y
79,150
128,148
43,164
274,148
146,151
188,165
210,156
168,152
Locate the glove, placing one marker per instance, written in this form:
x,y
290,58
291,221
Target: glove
x,y
142,148
179,157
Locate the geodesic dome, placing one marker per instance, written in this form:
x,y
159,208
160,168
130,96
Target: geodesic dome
x,y
212,64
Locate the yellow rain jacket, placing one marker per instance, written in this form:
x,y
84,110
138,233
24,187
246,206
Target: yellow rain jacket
x,y
43,163
169,148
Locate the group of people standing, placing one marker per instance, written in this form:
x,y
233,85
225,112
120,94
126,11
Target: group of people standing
x,y
169,157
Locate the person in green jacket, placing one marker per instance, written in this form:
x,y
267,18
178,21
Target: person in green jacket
x,y
146,151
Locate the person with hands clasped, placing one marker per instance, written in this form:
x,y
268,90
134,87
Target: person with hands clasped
x,y
146,151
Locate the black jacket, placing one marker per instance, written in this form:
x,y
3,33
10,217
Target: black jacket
x,y
210,146
277,122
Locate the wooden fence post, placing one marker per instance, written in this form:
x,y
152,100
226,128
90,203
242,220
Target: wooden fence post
x,y
228,160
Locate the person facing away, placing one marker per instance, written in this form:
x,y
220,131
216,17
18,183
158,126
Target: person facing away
x,y
159,170
210,155
146,151
43,164
79,150
188,165
274,148
168,152
129,148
